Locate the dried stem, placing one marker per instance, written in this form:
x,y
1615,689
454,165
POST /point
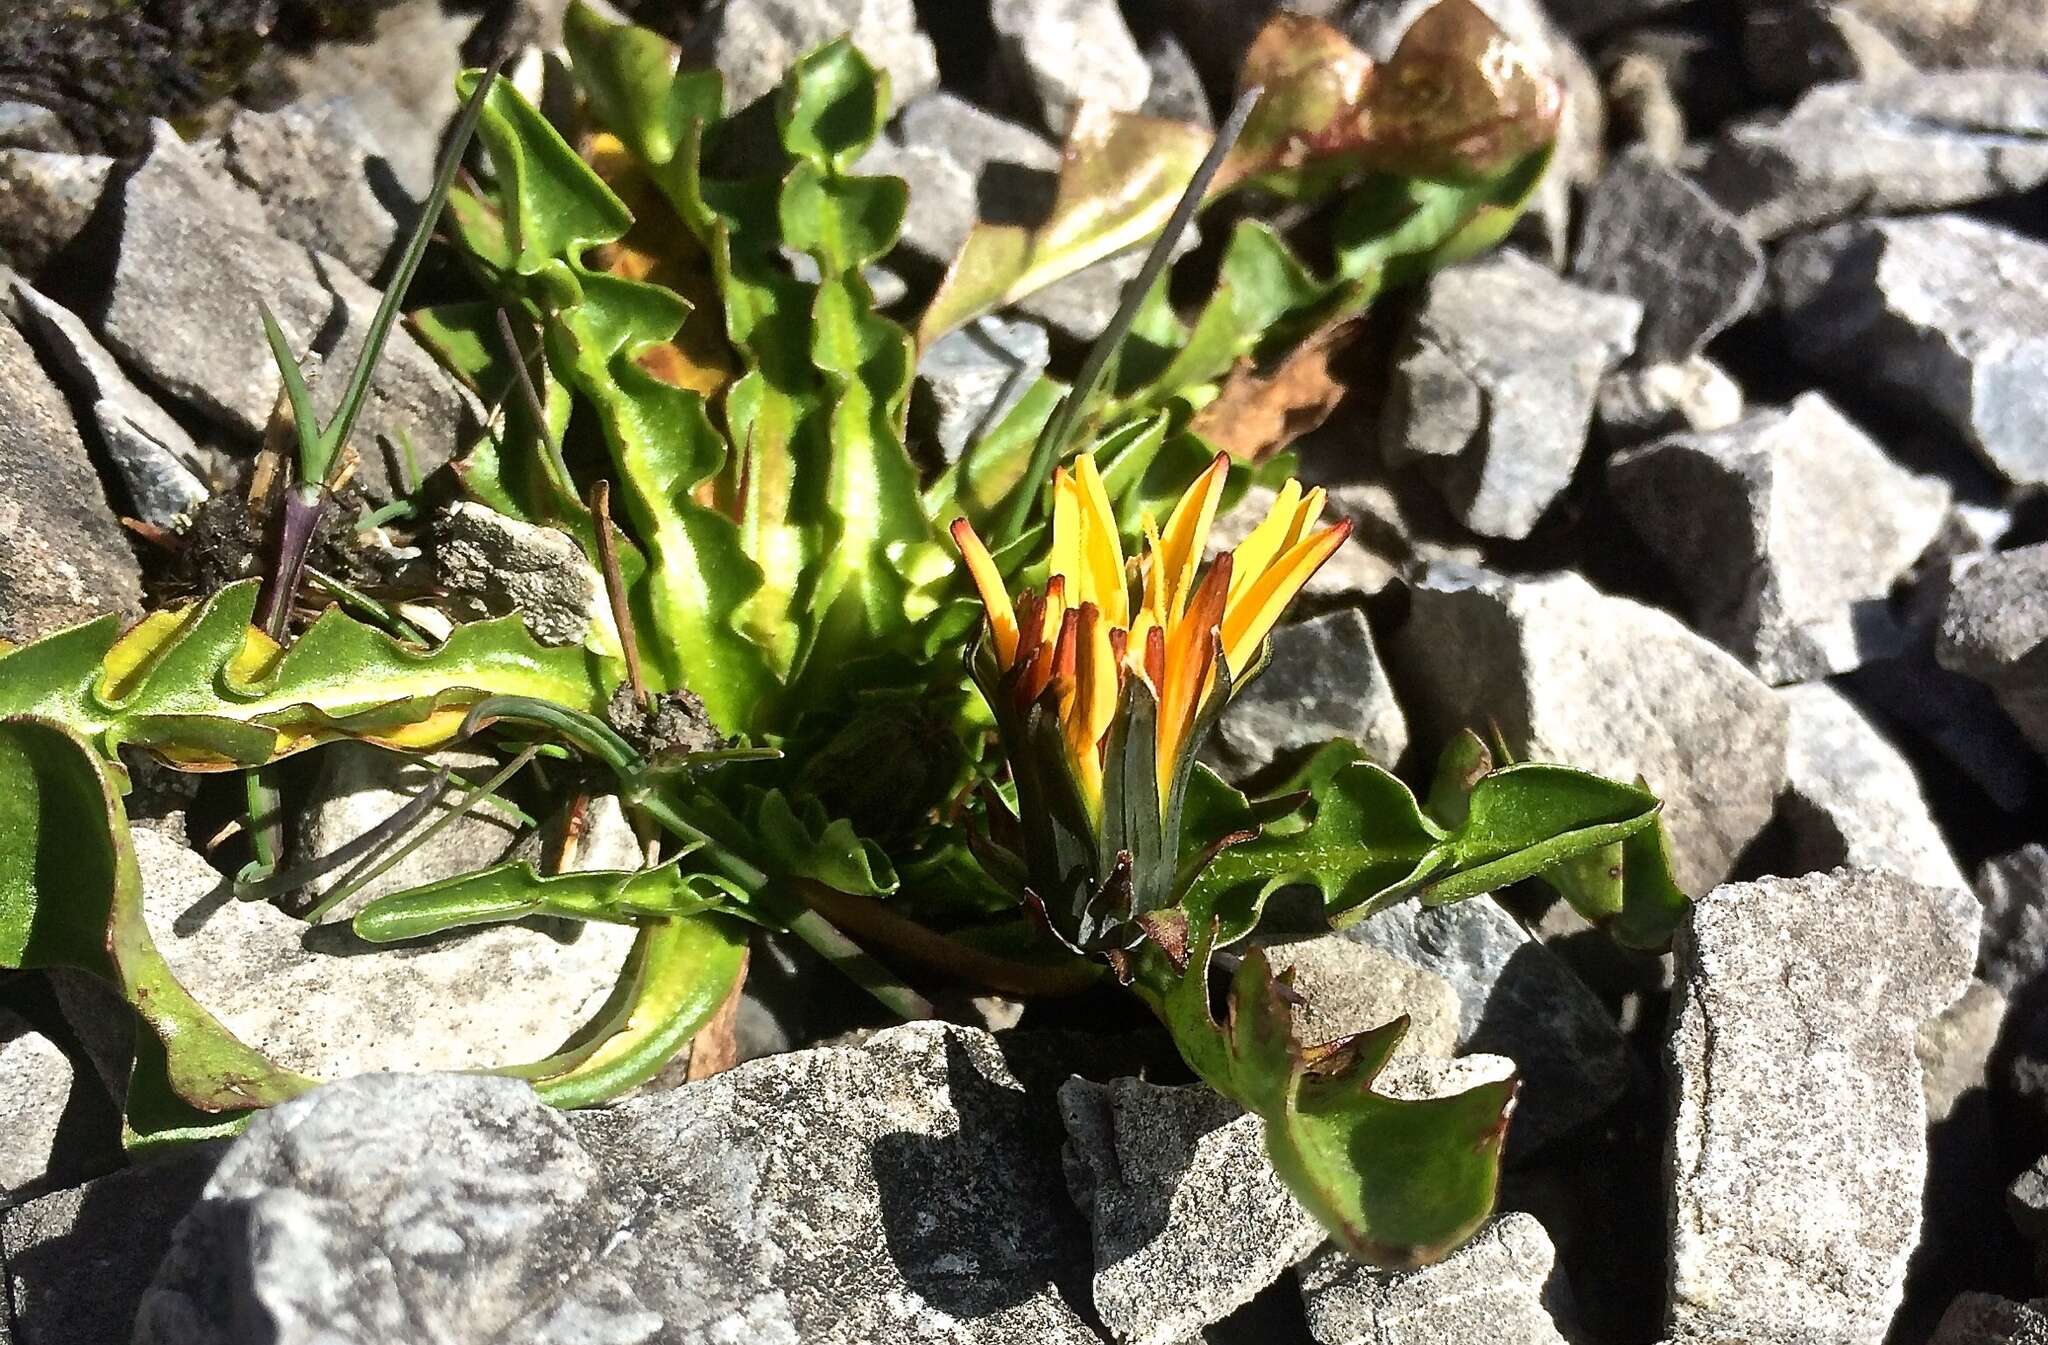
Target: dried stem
x,y
615,589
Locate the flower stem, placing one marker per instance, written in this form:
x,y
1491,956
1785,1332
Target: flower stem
x,y
873,920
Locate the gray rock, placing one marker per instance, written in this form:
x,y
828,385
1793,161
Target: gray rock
x,y
45,201
164,471
1946,314
33,127
1799,1140
1986,1319
1190,1222
1852,799
399,80
1650,401
359,786
1651,234
1503,1285
1518,999
1176,90
972,377
324,1003
755,42
1955,1048
1918,142
1493,387
36,1080
436,1207
1995,629
1788,48
1324,681
2026,1200
315,169
197,259
63,558
540,573
966,164
1960,33
1576,676
1348,985
78,1261
1997,614
1786,531
906,1190
2014,890
1055,55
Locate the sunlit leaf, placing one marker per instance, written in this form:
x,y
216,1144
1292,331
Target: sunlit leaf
x,y
1457,103
1120,175
514,891
1364,843
71,896
203,689
1395,1182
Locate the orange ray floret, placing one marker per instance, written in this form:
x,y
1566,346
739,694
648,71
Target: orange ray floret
x,y
1190,660
995,599
1187,531
1080,636
1255,610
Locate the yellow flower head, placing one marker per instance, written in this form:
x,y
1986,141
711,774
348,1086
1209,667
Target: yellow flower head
x,y
1084,641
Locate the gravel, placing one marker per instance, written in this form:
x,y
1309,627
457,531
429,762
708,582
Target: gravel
x,y
1944,314
1786,531
63,558
1493,385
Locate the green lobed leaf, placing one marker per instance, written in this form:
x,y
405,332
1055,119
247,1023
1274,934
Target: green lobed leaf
x,y
1652,903
1521,820
821,492
1364,843
515,891
1624,885
1395,1182
201,688
71,896
553,206
1363,836
660,436
629,74
798,839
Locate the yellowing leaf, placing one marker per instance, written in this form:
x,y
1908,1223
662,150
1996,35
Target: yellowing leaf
x,y
1119,177
1457,102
